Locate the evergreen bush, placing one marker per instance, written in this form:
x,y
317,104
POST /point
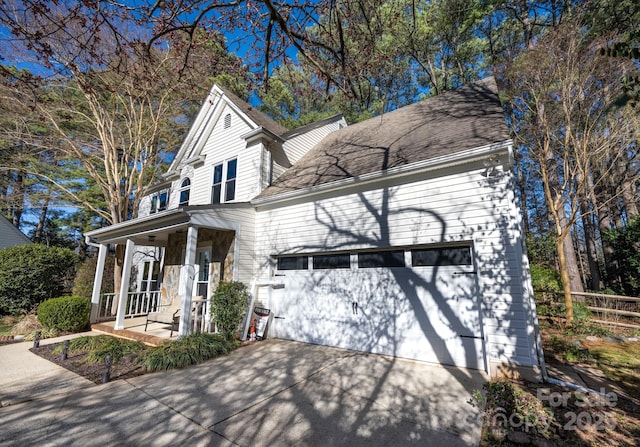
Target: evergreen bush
x,y
30,274
66,313
229,305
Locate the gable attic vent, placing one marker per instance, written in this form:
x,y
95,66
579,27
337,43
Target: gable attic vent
x,y
227,121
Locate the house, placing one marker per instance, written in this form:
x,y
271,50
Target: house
x,y
10,235
400,235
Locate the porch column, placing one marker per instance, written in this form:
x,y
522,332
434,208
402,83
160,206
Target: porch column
x,y
124,285
97,283
187,276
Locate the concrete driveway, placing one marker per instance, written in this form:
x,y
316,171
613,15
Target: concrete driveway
x,y
274,392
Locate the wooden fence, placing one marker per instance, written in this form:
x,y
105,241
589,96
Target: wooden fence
x,y
615,310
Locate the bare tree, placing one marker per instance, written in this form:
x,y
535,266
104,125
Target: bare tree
x,y
100,98
566,94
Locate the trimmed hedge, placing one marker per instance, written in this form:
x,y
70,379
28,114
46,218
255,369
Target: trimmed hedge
x,y
67,313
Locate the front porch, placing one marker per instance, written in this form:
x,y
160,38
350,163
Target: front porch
x,y
192,250
138,305
156,334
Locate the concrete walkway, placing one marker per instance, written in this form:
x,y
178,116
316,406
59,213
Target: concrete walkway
x,y
270,393
25,376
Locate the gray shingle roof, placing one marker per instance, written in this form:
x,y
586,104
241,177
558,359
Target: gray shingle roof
x,y
452,122
256,115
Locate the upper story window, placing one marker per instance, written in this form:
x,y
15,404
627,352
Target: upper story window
x,y
185,190
230,186
227,171
227,121
159,201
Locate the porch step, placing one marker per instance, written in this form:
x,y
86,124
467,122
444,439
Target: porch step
x,y
107,328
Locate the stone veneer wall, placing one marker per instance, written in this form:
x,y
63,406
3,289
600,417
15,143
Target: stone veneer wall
x,y
222,257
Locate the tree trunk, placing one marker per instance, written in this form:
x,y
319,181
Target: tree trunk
x,y
566,282
595,282
571,262
37,237
628,189
599,199
17,199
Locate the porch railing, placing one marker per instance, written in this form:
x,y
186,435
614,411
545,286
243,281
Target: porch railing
x,y
138,304
201,318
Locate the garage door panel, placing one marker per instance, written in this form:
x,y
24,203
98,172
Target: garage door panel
x,y
425,313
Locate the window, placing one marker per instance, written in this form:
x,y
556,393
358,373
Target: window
x,y
203,259
150,273
159,201
332,261
229,173
293,263
227,121
388,258
230,186
185,189
441,256
217,184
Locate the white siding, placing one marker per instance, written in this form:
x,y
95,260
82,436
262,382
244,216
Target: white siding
x,y
299,145
457,205
242,220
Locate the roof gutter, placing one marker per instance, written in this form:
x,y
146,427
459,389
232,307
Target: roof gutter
x,y
400,171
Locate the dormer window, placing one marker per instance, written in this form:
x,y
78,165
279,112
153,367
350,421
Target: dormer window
x,y
227,121
224,178
185,190
159,201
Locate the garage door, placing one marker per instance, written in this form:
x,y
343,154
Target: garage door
x,y
419,303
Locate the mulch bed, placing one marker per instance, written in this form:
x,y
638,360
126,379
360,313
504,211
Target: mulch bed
x,y
76,362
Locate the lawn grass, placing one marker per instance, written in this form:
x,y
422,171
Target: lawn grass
x,y
619,361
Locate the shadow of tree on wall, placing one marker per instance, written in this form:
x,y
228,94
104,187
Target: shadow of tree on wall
x,y
402,298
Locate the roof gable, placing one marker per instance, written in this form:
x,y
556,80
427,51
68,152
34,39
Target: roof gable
x,y
209,115
452,122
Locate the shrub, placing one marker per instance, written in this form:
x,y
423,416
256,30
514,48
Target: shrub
x,y
67,313
83,282
230,302
545,279
511,408
188,350
30,274
99,346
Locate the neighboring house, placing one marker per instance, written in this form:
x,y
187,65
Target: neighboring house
x,y
10,235
399,235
